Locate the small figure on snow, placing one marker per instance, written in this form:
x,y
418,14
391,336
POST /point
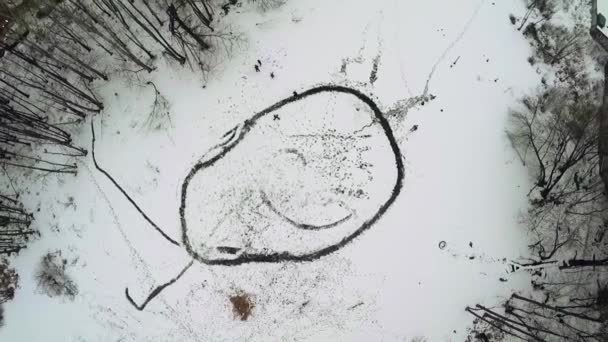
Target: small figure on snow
x,y
257,68
259,63
414,128
272,75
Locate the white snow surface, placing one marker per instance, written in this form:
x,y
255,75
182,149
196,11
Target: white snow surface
x,y
463,184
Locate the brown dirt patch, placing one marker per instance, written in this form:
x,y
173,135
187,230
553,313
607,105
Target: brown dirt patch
x,y
242,306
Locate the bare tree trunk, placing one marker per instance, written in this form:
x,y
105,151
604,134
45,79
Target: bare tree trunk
x,y
603,132
15,229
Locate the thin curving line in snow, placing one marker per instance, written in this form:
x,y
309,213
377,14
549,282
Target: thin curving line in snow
x,y
453,44
157,290
297,153
120,188
299,225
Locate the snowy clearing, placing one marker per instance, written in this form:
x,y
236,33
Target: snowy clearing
x,y
303,179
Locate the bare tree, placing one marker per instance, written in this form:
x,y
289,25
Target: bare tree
x,y
528,319
556,131
555,42
537,8
15,226
159,116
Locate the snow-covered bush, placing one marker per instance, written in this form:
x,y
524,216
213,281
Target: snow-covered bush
x,y
52,277
558,33
9,281
554,43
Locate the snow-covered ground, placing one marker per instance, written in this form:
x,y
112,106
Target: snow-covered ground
x,y
463,184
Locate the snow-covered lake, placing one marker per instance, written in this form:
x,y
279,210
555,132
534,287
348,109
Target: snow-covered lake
x,y
463,184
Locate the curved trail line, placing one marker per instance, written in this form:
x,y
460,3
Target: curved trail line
x,y
245,128
134,253
415,100
132,250
299,225
120,188
231,139
157,290
459,37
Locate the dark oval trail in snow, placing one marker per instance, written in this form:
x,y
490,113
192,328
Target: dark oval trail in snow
x,y
299,180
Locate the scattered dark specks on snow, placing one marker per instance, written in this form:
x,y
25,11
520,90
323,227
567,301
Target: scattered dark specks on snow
x,y
454,63
297,153
304,305
373,77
